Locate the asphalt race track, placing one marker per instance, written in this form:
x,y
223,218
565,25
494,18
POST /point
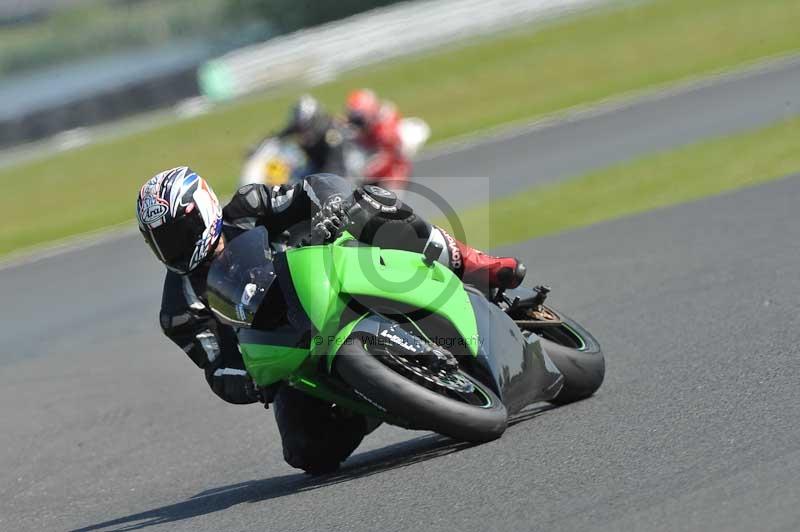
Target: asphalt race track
x,y
108,426
613,133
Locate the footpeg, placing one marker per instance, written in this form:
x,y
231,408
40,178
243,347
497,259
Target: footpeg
x,y
541,295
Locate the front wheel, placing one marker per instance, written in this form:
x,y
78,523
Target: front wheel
x,y
449,402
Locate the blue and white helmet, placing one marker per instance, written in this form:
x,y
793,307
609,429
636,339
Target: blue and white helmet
x,y
180,218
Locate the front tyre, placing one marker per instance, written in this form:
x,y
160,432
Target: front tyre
x,y
476,416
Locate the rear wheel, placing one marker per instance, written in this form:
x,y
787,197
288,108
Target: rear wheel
x,y
442,399
575,352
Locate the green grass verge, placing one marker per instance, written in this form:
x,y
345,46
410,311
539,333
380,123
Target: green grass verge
x,y
518,76
668,178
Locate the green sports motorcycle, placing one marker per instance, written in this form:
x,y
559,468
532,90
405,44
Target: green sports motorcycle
x,y
396,336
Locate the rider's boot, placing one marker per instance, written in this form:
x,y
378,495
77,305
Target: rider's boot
x,y
482,270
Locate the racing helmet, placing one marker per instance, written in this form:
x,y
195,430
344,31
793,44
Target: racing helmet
x,y
180,218
362,107
308,120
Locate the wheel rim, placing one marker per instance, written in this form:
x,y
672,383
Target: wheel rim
x,y
451,383
559,332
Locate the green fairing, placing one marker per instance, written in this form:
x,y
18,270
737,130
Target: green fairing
x,y
339,339
270,363
316,284
324,277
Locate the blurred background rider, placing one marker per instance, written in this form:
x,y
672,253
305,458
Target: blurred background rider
x,y
377,126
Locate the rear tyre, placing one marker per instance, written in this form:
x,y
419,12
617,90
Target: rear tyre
x,y
578,356
481,419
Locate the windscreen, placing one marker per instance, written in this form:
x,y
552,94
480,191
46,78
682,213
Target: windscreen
x,y
240,278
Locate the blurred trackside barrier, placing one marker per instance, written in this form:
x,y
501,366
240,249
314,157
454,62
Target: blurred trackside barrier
x,y
319,54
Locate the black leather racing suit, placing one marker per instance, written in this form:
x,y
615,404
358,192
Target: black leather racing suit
x,y
326,153
315,436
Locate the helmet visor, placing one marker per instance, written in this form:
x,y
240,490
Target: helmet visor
x,y
357,118
174,242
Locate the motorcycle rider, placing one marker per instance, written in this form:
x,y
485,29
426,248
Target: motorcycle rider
x,y
318,134
181,220
377,124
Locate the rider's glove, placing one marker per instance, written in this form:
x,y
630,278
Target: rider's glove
x,y
330,221
233,385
